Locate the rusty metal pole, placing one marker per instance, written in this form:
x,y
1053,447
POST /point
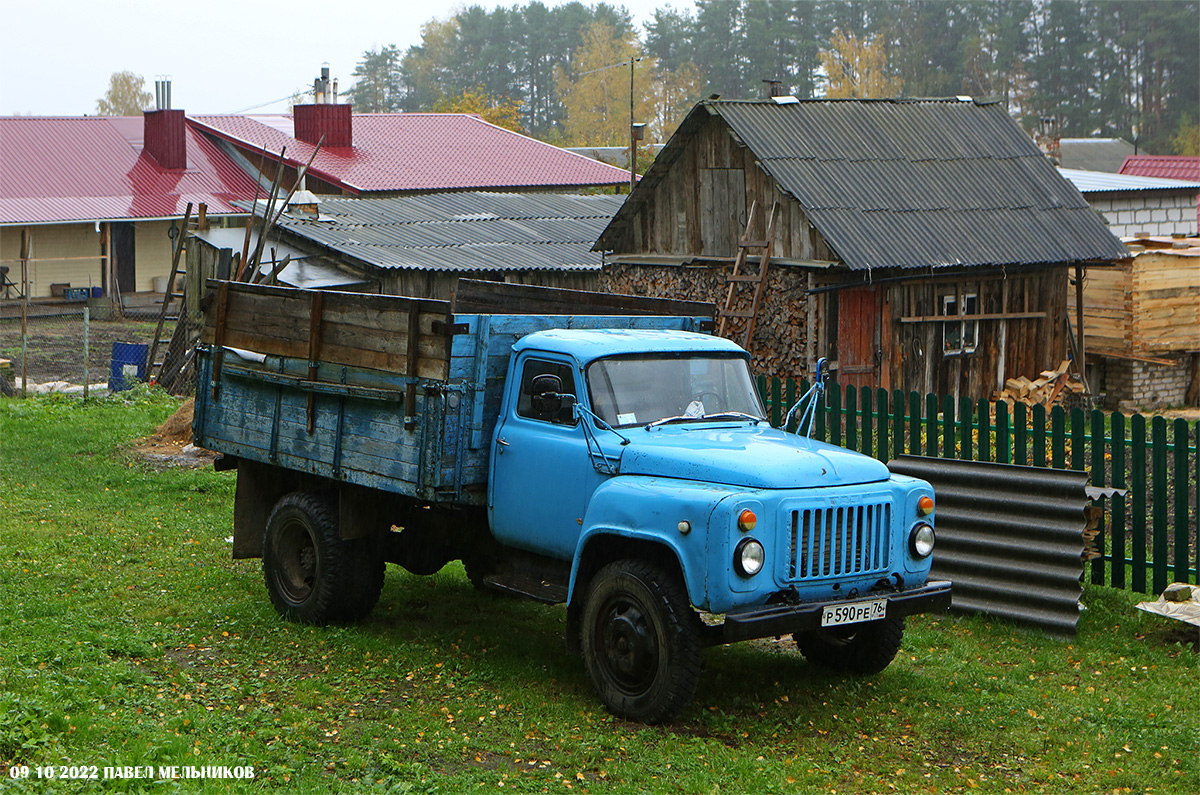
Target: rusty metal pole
x,y
632,140
26,244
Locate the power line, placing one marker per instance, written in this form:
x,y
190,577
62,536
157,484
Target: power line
x,y
299,92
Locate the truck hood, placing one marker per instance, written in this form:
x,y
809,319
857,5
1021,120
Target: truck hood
x,y
742,455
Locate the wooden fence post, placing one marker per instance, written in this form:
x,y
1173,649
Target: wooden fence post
x,y
1117,535
1182,498
1137,430
1098,479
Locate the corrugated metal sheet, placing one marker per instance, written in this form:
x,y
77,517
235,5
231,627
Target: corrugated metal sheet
x,y
95,168
1094,154
1104,182
1010,538
423,151
1163,166
909,183
463,231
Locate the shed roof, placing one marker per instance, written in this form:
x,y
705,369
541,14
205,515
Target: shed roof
x,y
1105,182
463,231
94,168
421,152
906,183
1094,154
1164,166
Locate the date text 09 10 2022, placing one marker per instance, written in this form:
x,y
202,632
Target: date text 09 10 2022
x,y
98,772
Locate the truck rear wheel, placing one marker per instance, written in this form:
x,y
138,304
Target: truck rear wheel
x,y
862,649
641,641
312,574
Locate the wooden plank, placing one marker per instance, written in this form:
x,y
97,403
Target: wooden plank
x,y
483,297
988,316
358,330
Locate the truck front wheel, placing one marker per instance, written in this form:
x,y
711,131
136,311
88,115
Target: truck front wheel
x,y
863,649
312,574
641,641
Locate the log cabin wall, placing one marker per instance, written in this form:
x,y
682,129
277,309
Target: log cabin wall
x,y
700,207
1020,330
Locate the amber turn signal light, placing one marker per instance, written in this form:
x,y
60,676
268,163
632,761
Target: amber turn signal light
x,y
747,521
925,506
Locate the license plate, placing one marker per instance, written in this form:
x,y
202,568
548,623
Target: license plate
x,y
853,612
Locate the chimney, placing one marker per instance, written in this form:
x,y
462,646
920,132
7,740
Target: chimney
x,y
165,137
325,117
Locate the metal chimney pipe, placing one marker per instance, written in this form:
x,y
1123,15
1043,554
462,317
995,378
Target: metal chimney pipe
x,y
167,93
335,91
158,95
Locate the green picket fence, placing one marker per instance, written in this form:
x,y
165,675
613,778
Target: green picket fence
x,y
1150,533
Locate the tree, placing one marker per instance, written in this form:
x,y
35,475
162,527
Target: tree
x,y
126,96
596,93
377,87
858,69
502,113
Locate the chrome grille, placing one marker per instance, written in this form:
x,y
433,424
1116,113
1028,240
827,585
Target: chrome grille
x,y
839,540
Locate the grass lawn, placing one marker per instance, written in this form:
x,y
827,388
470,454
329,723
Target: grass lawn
x,y
130,637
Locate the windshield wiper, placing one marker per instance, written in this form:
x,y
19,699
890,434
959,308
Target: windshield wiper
x,y
718,415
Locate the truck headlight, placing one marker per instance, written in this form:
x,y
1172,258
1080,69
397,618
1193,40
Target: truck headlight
x,y
920,541
749,557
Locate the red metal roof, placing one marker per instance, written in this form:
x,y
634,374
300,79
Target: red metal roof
x,y
1163,166
423,152
94,168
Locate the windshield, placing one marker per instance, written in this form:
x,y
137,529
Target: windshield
x,y
638,390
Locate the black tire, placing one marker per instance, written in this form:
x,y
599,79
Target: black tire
x,y
641,641
862,649
312,575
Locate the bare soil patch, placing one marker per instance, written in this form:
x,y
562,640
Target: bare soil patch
x,y
171,443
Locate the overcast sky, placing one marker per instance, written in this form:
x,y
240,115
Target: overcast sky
x,y
223,56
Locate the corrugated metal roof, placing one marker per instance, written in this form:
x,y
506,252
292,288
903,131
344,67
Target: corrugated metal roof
x,y
1094,154
1164,166
463,231
1105,182
908,183
423,152
94,168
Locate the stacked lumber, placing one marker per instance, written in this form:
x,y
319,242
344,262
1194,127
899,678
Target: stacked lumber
x,y
1050,388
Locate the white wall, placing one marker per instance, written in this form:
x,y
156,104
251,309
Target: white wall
x,y
1152,214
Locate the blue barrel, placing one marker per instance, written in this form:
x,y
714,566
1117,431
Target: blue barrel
x,y
128,365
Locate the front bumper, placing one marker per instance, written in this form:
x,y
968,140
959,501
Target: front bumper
x,y
775,620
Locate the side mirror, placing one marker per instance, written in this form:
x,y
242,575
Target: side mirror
x,y
547,400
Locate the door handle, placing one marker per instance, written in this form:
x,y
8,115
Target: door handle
x,y
502,442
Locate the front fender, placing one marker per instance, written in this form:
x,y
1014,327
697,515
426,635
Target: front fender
x,y
650,509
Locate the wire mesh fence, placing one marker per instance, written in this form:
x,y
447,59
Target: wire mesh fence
x,y
60,349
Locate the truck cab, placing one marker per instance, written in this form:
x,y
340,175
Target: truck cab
x,y
657,442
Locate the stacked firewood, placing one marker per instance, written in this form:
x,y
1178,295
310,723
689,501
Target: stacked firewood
x,y
1052,387
780,334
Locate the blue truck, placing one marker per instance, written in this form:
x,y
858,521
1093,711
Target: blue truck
x,y
602,452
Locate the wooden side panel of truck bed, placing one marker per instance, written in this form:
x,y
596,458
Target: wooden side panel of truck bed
x,y
378,391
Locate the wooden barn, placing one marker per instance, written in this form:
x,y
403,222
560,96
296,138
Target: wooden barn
x,y
918,244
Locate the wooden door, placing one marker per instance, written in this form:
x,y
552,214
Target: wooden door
x,y
858,344
123,257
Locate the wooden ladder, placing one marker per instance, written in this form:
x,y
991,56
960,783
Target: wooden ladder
x,y
741,277
170,297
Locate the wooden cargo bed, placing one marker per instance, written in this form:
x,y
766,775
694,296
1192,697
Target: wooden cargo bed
x,y
386,392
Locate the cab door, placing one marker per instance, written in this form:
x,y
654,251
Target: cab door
x,y
541,476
